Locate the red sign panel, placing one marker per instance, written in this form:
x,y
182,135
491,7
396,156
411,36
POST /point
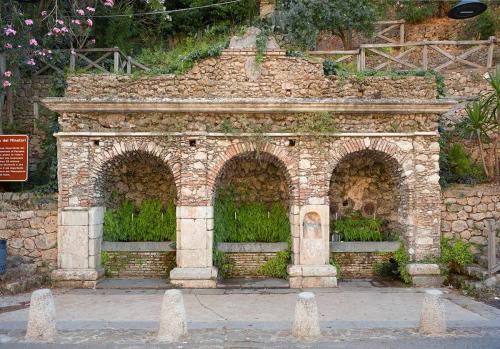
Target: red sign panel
x,y
13,158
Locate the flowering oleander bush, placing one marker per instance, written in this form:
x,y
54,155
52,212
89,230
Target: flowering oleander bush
x,y
27,39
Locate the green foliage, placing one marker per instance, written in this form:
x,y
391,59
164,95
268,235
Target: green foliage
x,y
455,253
402,258
104,263
416,11
440,85
249,222
482,26
337,266
261,45
358,228
455,166
318,122
186,53
276,266
302,20
224,264
151,222
330,67
386,269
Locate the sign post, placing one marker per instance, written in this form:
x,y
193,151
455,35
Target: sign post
x,y
13,158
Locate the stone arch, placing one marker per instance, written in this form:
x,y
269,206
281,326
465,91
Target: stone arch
x,y
268,152
145,150
396,161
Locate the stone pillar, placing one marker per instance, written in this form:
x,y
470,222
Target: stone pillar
x,y
194,248
311,267
195,220
426,201
79,247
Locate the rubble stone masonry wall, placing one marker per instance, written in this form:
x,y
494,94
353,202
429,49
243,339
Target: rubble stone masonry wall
x,y
29,224
466,209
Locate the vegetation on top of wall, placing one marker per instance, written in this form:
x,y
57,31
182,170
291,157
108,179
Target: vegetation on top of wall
x,y
249,221
317,122
186,53
261,44
150,222
356,227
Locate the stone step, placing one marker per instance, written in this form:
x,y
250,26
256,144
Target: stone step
x,y
476,272
483,261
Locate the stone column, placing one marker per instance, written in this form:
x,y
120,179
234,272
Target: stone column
x,y
195,221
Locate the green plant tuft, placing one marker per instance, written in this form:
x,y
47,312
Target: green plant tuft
x,y
358,228
151,222
402,258
276,266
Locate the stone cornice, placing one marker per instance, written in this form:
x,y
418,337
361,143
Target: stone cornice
x,y
98,134
249,105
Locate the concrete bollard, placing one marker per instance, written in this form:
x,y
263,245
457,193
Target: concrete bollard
x,y
433,318
306,320
42,317
173,324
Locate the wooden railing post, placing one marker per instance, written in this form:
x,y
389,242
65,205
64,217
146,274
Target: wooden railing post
x,y
116,59
402,33
72,61
362,57
129,65
425,56
491,50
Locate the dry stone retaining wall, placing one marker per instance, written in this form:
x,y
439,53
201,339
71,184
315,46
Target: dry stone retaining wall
x,y
360,265
29,224
465,210
138,264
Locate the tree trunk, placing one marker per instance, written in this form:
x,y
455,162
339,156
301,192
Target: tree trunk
x,y
482,155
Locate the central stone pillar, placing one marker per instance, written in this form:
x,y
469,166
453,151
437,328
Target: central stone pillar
x,y
312,267
194,248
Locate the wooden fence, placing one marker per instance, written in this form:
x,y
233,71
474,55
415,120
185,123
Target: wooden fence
x,y
106,60
422,55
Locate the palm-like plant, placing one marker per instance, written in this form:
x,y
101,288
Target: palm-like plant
x,y
493,101
478,124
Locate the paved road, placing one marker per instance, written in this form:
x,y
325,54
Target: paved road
x,y
350,316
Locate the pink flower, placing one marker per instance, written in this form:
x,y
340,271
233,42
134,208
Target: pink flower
x,y
80,12
92,41
6,83
60,21
56,30
89,22
50,33
64,30
44,13
30,61
9,31
76,21
33,42
90,9
7,74
28,22
7,46
109,3
73,52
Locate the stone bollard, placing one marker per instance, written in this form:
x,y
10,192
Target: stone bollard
x,y
173,323
306,321
42,317
433,318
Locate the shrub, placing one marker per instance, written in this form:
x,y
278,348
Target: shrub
x,y
358,228
249,222
455,254
276,266
402,258
150,223
455,165
224,264
416,11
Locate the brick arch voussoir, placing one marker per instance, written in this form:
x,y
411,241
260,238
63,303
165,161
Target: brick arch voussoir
x,y
122,149
269,152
